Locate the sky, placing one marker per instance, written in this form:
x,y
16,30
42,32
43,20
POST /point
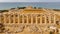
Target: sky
x,y
29,0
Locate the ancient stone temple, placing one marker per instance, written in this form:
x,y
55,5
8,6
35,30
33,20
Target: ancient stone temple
x,y
30,20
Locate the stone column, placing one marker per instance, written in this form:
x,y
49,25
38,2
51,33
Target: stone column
x,y
41,19
31,19
45,19
0,17
14,18
4,18
9,17
54,19
23,18
18,18
36,19
27,19
49,19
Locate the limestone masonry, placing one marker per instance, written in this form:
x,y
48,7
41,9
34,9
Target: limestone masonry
x,y
29,20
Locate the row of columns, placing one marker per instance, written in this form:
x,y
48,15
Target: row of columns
x,y
27,18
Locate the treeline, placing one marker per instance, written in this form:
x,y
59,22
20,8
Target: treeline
x,y
56,9
1,11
